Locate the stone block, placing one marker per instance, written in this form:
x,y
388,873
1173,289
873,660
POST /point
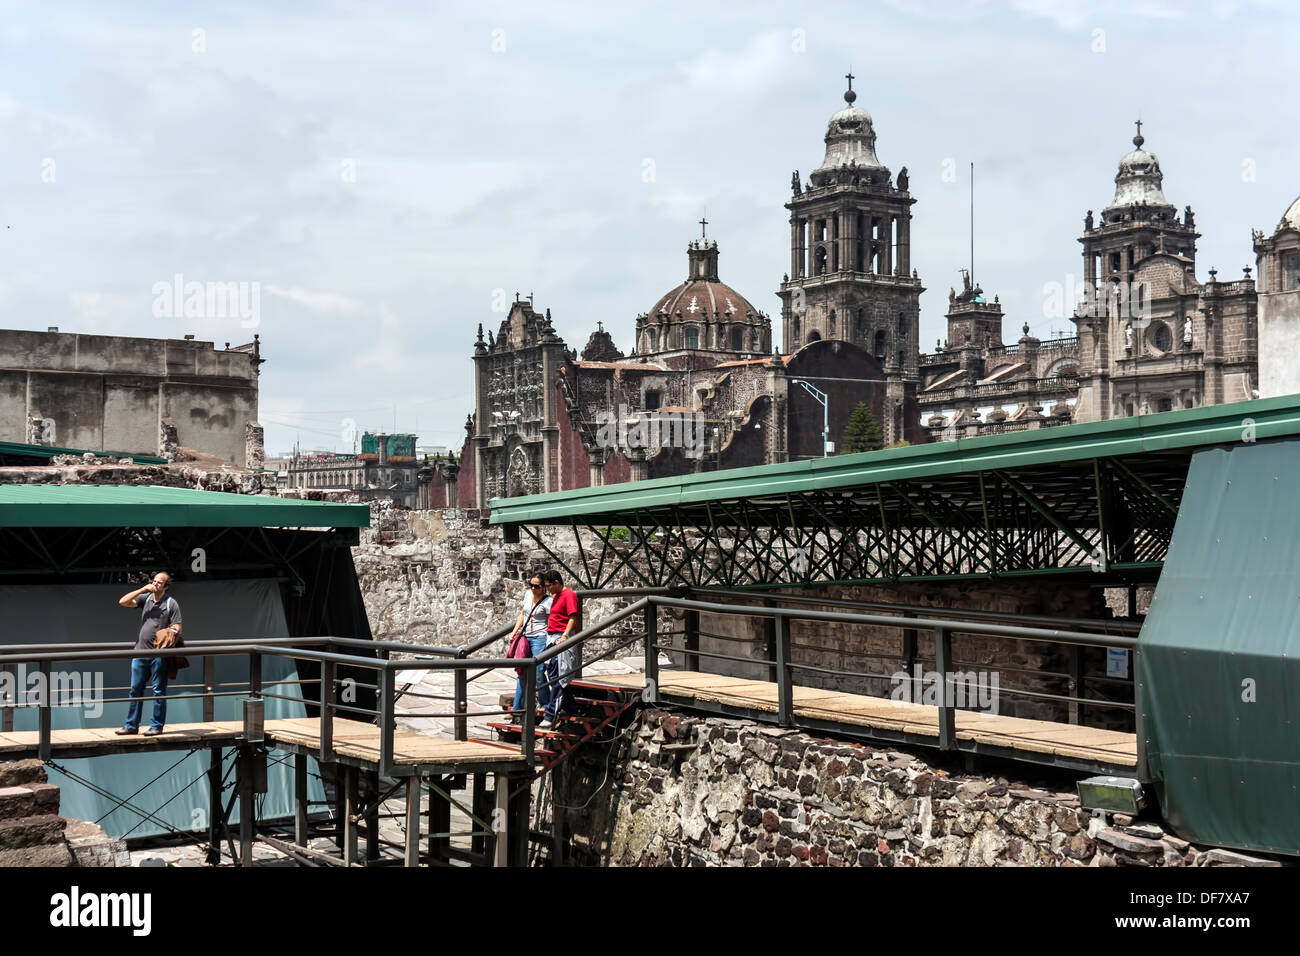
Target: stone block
x,y
16,772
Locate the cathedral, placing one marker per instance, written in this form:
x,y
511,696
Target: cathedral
x,y
703,385
1151,337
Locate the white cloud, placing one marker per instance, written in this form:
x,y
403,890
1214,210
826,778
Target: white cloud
x,y
324,303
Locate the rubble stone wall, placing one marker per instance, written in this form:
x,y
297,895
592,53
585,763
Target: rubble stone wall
x,y
680,791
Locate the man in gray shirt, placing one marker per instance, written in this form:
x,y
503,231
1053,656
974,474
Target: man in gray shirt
x,y
160,610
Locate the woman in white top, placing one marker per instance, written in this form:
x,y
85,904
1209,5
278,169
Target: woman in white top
x,y
532,621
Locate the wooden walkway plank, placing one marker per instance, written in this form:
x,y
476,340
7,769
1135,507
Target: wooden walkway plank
x,y
881,713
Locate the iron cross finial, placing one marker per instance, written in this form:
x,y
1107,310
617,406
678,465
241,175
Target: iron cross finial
x,y
704,232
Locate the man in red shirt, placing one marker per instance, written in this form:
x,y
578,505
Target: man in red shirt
x,y
560,625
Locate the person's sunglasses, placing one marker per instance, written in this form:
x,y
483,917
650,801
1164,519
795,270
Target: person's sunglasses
x,y
534,584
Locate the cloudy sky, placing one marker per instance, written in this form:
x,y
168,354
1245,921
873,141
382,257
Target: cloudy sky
x,y
390,173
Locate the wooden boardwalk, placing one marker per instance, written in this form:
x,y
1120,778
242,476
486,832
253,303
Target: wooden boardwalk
x,y
1029,737
354,742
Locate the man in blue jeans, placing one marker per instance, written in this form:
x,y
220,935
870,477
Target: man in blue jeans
x,y
158,611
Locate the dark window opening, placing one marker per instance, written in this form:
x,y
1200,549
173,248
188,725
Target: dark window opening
x,y
652,401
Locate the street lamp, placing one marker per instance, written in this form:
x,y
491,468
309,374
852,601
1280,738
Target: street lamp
x,y
824,399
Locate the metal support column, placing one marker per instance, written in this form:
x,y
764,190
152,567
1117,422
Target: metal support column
x,y
209,689
327,692
413,791
520,793
247,805
651,615
784,677
460,721
214,806
439,818
8,707
1076,683
691,640
501,821
482,807
372,816
909,656
351,804
947,690
300,799
43,739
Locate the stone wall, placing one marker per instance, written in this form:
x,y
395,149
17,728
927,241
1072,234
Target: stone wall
x,y
444,577
678,791
33,834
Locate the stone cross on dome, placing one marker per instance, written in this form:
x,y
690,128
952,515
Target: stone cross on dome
x,y
850,96
1138,140
704,232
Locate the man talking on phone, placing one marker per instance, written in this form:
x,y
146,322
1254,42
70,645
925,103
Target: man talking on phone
x,y
159,611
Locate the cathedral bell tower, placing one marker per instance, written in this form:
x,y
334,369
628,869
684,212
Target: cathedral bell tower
x,y
851,275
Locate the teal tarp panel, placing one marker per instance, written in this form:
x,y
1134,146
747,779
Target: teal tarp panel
x,y
1219,654
212,610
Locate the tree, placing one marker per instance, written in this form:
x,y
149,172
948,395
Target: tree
x,y
862,433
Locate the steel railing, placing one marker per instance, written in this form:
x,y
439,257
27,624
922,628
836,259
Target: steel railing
x,y
778,650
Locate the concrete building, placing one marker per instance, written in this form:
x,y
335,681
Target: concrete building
x,y
386,467
115,393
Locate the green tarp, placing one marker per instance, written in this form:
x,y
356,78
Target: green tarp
x,y
1219,654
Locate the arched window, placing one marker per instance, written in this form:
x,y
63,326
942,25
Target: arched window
x,y
737,340
819,265
692,338
652,340
879,350
814,336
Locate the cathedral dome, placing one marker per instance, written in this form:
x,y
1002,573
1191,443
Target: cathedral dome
x,y
1139,180
703,293
1291,218
703,312
850,141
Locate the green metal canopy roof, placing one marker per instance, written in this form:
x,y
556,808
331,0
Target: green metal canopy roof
x,y
1179,431
17,453
129,506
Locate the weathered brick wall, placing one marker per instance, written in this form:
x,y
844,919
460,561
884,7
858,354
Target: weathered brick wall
x,y
751,795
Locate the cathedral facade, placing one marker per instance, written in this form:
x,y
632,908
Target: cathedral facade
x,y
1151,336
702,385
